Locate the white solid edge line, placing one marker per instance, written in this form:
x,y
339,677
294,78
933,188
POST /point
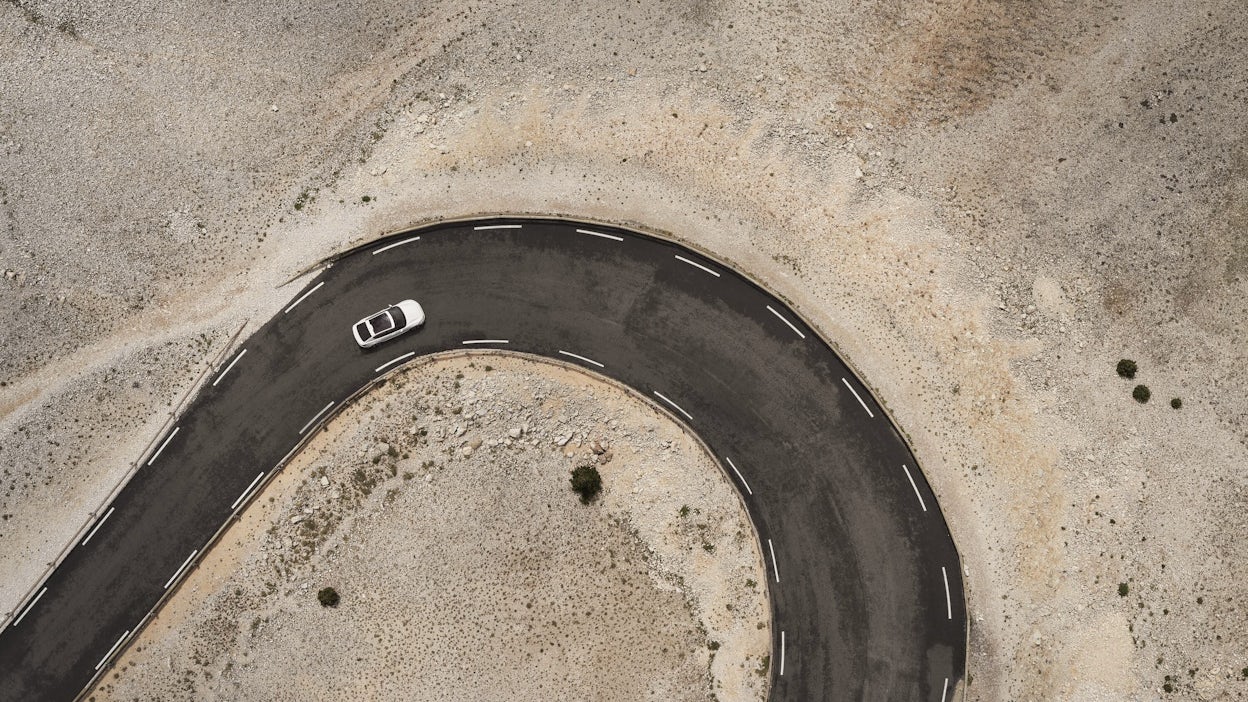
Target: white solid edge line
x,y
673,404
247,492
739,476
318,416
587,360
303,297
774,568
387,247
227,368
98,524
782,319
604,236
916,487
29,607
782,653
181,568
112,650
697,265
948,601
499,226
387,364
858,398
162,446
945,691
486,341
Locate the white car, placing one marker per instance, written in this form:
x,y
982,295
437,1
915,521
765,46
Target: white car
x,y
388,323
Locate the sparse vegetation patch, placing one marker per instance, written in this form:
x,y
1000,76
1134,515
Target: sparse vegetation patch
x,y
586,482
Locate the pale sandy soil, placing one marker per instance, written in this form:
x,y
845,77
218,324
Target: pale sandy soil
x,y
983,205
475,574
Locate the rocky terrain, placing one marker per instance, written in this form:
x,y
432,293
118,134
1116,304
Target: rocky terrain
x,y
440,509
985,206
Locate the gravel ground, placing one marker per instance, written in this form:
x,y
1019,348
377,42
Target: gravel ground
x,y
984,205
440,509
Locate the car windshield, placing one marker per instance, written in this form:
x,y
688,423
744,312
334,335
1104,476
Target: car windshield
x,y
381,322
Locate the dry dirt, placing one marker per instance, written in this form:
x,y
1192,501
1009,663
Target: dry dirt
x,y
984,205
440,509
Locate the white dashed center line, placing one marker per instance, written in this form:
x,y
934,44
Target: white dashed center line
x,y
858,398
181,568
673,404
318,416
600,234
98,524
739,476
243,497
587,360
774,568
486,341
387,364
782,653
387,247
112,650
29,607
303,297
782,319
227,368
162,446
945,691
695,264
499,226
948,601
916,487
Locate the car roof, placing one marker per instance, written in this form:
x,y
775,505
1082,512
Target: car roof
x,y
381,322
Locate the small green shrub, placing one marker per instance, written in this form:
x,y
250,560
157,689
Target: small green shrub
x,y
328,597
587,483
1176,403
1141,393
1123,589
1127,368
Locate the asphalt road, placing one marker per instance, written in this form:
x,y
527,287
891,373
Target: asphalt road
x,y
864,578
